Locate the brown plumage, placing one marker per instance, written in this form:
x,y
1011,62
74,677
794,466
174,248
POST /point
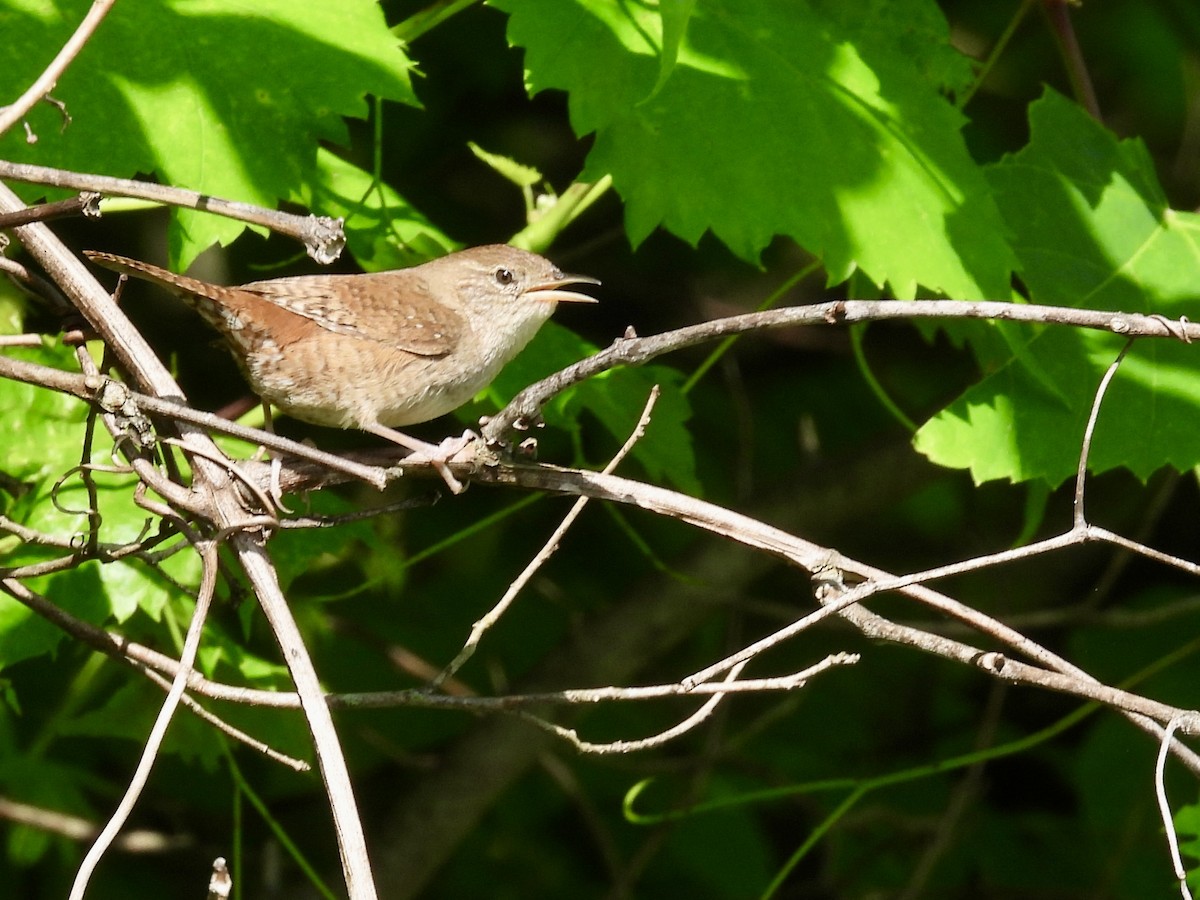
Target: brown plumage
x,y
382,349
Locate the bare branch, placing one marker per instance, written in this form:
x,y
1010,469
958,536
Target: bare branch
x,y
321,236
719,692
85,204
79,829
10,115
296,765
706,710
234,500
634,351
1164,808
115,395
151,661
493,616
1089,430
158,733
352,843
814,558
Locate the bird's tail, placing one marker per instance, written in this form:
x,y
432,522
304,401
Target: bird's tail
x,y
180,285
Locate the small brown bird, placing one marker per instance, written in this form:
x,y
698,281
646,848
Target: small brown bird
x,y
382,349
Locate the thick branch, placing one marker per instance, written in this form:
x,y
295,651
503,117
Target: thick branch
x,y
225,512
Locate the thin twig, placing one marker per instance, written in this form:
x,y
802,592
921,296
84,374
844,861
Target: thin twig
x,y
1164,807
1072,54
321,236
265,503
10,115
1095,532
571,736
634,351
214,500
93,390
316,522
1069,679
480,628
103,551
76,828
158,733
1089,430
147,660
296,765
753,533
963,794
721,690
85,204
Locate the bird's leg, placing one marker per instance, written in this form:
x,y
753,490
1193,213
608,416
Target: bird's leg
x,y
275,490
268,426
437,455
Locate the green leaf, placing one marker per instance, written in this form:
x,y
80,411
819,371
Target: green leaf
x,y
915,29
130,713
299,551
521,175
42,450
47,785
221,657
227,97
41,436
1187,824
675,15
13,306
1092,230
778,119
383,230
24,634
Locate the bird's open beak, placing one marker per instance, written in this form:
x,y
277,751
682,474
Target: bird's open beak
x,y
549,291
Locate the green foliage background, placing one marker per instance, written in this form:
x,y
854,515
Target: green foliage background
x,y
856,148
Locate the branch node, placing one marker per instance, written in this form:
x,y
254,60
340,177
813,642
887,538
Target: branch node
x,y
325,239
90,204
836,312
117,400
992,662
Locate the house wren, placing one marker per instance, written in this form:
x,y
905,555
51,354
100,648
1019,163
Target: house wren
x,y
380,349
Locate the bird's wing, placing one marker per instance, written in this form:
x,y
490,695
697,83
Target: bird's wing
x,y
370,307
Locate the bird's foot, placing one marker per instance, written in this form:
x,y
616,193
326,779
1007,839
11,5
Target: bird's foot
x,y
437,455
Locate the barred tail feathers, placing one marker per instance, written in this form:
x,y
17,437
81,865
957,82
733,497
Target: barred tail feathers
x,y
180,285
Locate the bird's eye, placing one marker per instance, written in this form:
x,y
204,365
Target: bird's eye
x,y
504,276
